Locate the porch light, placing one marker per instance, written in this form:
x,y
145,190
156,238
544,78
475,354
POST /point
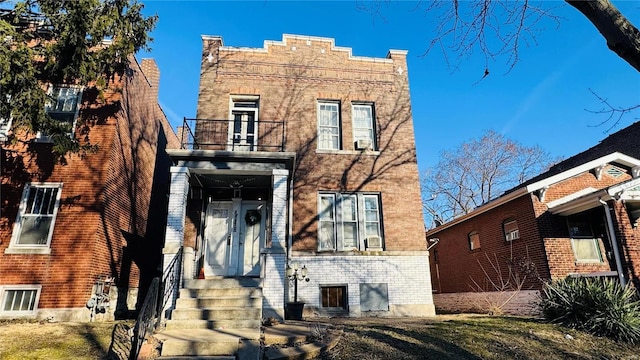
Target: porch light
x,y
295,274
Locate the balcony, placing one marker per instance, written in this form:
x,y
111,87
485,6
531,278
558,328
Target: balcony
x,y
232,135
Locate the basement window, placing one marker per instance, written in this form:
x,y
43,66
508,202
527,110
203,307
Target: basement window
x,y
19,300
334,297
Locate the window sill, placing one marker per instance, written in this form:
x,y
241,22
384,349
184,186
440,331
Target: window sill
x,y
28,250
348,152
18,315
589,262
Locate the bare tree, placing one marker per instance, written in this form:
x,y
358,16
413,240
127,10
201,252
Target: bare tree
x,y
477,171
501,27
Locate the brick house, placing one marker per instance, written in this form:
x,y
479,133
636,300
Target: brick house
x,y
93,227
577,219
301,155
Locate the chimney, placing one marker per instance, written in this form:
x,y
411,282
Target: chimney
x,y
152,73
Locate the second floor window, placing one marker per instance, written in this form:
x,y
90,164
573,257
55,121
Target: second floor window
x,y
328,125
363,129
63,107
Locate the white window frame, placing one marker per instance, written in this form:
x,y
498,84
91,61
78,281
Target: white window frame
x,y
14,246
41,137
4,290
370,129
513,234
470,237
243,144
584,237
596,245
338,208
5,125
329,130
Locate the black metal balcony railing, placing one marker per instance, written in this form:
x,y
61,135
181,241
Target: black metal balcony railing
x,y
232,135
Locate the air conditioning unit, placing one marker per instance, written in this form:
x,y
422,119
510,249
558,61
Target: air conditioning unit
x,y
374,243
364,144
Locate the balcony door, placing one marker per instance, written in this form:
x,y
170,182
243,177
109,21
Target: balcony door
x,y
243,129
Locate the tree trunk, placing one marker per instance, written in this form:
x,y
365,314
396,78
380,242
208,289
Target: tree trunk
x,y
622,37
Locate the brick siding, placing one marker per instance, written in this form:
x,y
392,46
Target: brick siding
x,y
108,213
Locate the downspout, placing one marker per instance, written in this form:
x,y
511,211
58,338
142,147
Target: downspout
x,y
614,241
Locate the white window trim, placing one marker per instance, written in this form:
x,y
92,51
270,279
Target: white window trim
x,y
14,247
233,99
373,123
40,137
5,125
511,235
361,219
14,314
337,104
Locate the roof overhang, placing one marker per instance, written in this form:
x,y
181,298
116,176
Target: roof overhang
x,y
572,204
576,203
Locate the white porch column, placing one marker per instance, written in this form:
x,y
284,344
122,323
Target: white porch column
x,y
275,257
174,237
279,205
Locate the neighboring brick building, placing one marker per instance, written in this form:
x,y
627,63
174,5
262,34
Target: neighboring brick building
x,y
578,218
317,166
67,227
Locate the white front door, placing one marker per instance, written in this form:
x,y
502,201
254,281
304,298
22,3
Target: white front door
x,y
218,239
234,236
251,237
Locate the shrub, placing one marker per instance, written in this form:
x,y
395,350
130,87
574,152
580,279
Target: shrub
x,y
601,307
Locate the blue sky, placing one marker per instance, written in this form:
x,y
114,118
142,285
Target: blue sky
x,y
541,101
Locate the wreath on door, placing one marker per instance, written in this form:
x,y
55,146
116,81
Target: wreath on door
x,y
252,217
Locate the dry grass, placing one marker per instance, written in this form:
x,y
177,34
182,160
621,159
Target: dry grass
x,y
470,337
33,340
443,337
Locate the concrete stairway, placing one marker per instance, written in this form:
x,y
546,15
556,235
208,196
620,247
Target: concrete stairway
x,y
215,317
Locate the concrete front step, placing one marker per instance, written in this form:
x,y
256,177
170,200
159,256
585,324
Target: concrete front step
x,y
219,313
208,342
198,357
222,283
226,301
213,324
221,292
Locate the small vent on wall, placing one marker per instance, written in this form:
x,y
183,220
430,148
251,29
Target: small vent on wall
x,y
615,172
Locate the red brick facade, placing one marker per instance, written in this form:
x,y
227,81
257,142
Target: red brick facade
x,y
113,201
545,208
